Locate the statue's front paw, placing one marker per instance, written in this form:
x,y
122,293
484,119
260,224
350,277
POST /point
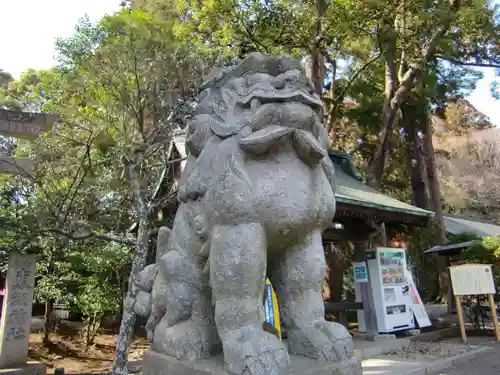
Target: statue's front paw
x,y
252,351
189,340
321,340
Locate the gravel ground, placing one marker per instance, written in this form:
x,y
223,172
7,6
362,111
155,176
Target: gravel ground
x,y
428,351
483,364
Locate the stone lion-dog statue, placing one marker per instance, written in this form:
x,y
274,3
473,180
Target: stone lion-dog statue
x,y
257,191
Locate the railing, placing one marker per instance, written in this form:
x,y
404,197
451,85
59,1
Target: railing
x,y
341,309
60,311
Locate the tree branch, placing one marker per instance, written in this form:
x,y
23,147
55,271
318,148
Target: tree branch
x,y
155,136
251,36
429,50
134,180
73,183
35,181
358,72
162,203
339,99
89,235
465,63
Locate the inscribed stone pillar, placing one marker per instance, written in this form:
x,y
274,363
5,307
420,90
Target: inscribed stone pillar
x,y
16,310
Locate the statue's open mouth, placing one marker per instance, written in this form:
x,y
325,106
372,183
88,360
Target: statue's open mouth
x,y
276,114
264,105
294,108
279,96
273,121
294,114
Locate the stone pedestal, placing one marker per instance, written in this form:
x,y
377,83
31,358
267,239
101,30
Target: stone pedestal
x,y
26,369
161,364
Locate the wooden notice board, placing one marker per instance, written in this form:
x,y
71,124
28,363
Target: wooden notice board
x,y
473,280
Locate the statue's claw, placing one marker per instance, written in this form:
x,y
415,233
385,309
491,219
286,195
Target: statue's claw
x,y
322,340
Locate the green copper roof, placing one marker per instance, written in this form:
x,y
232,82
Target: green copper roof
x,y
350,190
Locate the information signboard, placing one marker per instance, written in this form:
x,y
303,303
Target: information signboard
x,y
472,279
360,272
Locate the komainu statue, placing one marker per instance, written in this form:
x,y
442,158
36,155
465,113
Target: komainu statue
x,y
256,194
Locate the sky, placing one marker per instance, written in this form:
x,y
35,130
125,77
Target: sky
x,y
29,29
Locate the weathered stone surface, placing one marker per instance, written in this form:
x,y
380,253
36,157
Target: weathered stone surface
x,y
146,277
16,310
160,364
142,306
162,242
31,368
256,194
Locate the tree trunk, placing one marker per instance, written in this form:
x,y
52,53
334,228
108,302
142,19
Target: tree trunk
x,y
388,118
93,326
435,195
315,71
315,63
415,117
132,166
127,325
388,40
47,326
412,122
397,89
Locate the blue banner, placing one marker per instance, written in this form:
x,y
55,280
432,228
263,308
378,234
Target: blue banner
x,y
269,306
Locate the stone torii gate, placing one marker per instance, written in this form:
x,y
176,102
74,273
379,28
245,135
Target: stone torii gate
x,y
24,125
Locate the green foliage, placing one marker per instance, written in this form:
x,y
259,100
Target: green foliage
x,y
15,222
5,78
485,250
423,266
102,270
96,298
90,277
93,300
120,90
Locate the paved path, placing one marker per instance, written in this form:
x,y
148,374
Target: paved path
x,y
484,364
